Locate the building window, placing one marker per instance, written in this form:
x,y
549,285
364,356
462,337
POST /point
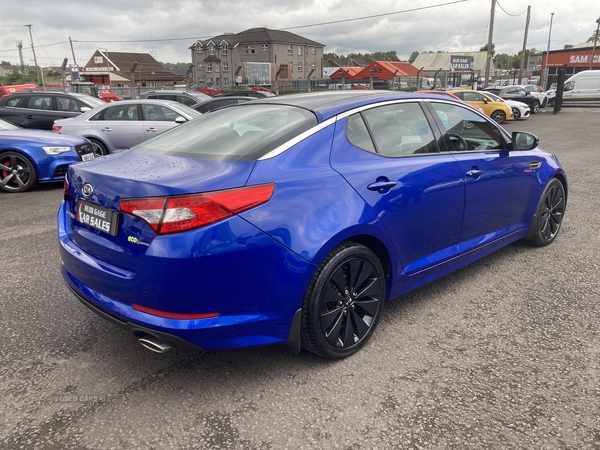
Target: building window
x,y
248,49
209,81
299,51
211,50
209,67
225,67
198,49
200,66
264,47
225,81
313,51
290,50
300,67
539,58
224,51
313,66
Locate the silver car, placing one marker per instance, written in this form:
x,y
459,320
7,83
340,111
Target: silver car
x,y
124,124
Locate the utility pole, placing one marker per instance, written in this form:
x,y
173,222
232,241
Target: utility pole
x,y
73,52
524,44
546,68
489,44
595,40
35,59
20,47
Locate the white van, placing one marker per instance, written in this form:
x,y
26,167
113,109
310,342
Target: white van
x,y
584,85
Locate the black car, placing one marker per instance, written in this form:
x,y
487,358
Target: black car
x,y
255,94
216,103
188,98
518,94
40,109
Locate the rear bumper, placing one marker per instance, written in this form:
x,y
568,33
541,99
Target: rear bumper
x,y
135,329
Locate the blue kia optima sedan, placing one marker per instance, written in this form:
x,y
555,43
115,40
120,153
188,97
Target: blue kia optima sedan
x,y
294,219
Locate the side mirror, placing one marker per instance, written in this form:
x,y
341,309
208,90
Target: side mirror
x,y
521,140
180,119
85,108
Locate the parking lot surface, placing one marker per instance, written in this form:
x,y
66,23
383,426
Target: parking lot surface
x,y
502,354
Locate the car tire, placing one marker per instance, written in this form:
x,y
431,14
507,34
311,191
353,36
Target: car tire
x,y
549,214
516,113
544,103
535,108
17,172
98,147
498,116
343,302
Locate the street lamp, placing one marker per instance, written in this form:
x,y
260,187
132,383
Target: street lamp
x,y
547,69
595,40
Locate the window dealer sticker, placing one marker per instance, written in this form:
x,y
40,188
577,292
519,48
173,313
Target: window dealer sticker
x,y
97,217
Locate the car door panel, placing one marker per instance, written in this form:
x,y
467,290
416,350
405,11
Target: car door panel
x,y
499,184
419,198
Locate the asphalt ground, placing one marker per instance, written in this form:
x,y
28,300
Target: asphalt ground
x,y
502,354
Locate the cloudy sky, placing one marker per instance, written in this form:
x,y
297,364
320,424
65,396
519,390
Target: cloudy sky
x,y
167,28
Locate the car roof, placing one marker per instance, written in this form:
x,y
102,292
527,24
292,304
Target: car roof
x,y
328,104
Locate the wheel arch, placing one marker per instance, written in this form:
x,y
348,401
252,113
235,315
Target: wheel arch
x,y
25,154
563,179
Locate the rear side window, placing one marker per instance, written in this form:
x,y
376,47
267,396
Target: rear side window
x,y
400,130
117,112
243,133
186,100
17,102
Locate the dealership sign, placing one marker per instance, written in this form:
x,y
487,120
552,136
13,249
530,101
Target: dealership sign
x,y
461,63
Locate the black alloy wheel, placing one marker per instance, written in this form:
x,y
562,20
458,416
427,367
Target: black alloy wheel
x,y
516,113
17,173
536,107
549,215
343,302
498,116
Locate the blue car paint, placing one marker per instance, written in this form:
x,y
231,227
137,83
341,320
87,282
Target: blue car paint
x,y
254,268
29,143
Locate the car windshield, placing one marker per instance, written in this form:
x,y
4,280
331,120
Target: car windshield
x,y
7,126
245,133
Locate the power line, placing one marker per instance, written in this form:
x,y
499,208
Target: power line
x,y
513,15
373,16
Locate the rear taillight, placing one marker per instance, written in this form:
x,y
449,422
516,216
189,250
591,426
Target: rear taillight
x,y
181,213
56,128
66,185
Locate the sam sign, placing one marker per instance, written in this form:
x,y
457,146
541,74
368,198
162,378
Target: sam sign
x,y
461,63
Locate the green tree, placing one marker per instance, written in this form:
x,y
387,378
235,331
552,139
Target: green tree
x,y
327,56
593,37
413,56
485,49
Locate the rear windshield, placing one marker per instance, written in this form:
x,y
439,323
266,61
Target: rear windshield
x,y
242,132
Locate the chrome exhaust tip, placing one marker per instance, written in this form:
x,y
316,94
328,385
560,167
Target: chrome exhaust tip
x,y
154,344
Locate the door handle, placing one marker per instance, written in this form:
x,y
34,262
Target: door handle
x,y
380,185
152,129
29,117
474,173
106,129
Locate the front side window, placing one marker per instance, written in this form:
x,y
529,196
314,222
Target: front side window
x,y
466,130
159,113
67,104
569,86
243,133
